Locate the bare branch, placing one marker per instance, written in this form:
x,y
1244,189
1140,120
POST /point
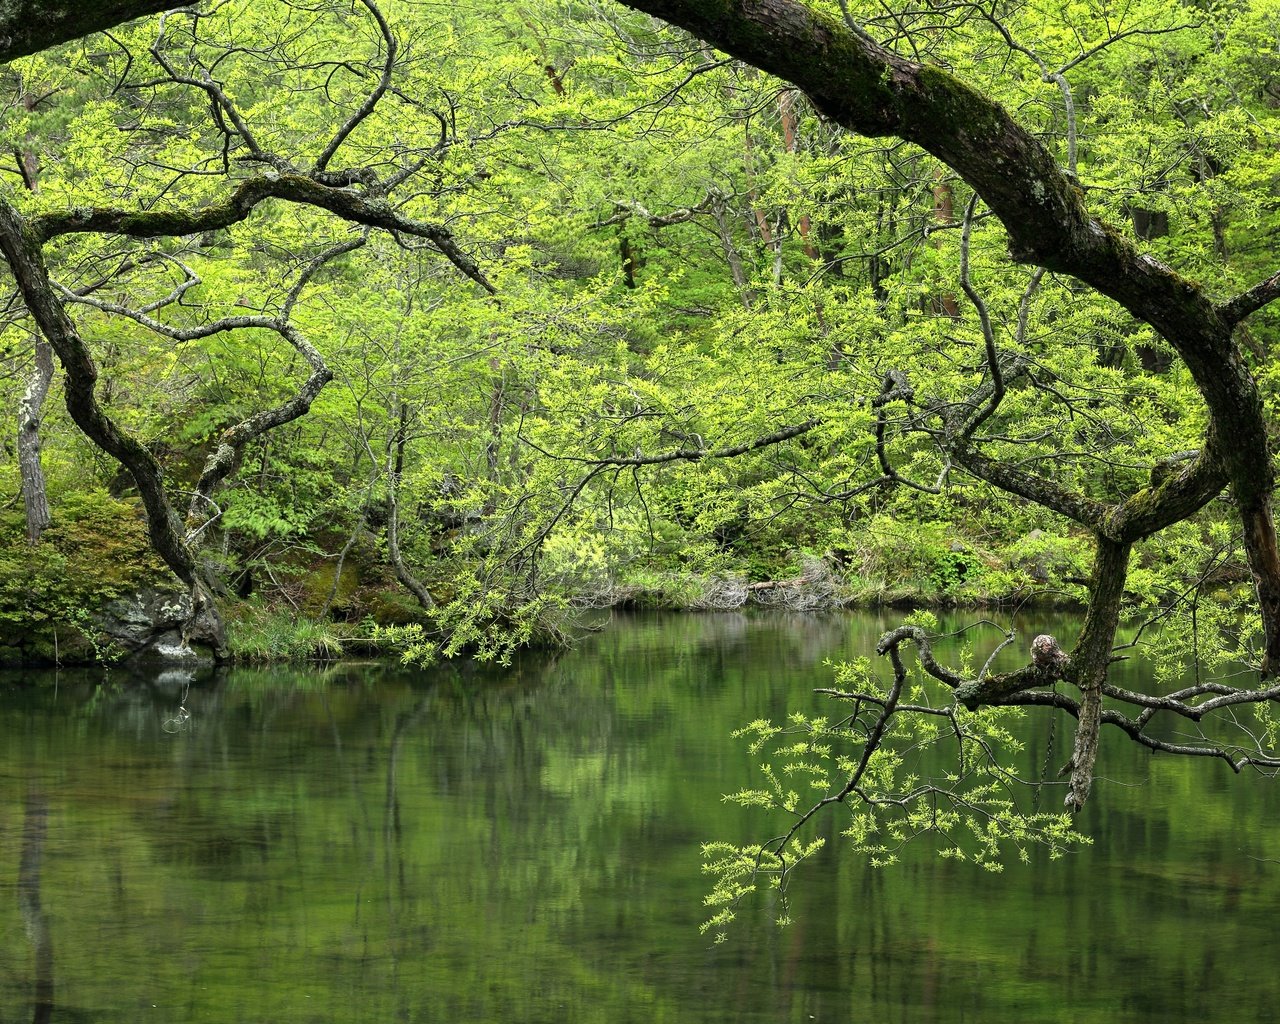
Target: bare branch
x,y
371,101
1249,302
290,187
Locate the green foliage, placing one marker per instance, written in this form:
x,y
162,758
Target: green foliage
x,y
685,269
263,635
730,358
95,550
969,813
409,642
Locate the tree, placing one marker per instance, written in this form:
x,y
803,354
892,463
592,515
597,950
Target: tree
x,y
356,195
789,378
1043,207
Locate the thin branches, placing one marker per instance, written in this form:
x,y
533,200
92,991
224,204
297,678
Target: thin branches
x,y
226,454
371,101
988,335
697,454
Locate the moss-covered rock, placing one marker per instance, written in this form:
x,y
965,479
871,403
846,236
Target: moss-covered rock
x,y
53,595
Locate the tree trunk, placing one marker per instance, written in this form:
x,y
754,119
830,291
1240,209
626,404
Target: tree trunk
x,y
27,26
720,212
872,90
394,468
944,215
1091,658
31,407
29,413
791,140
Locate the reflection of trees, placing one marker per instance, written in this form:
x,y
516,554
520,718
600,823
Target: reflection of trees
x,y
33,914
483,845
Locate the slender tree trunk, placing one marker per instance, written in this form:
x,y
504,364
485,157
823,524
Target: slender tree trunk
x,y
31,407
791,140
395,466
630,261
944,215
731,255
29,412
753,196
497,404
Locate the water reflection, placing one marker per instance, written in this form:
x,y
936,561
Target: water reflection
x,y
366,844
33,915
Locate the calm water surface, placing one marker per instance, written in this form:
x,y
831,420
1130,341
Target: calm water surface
x,y
368,844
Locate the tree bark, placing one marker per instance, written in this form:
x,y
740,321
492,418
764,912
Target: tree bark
x,y
395,466
31,406
1091,658
29,26
30,409
791,142
719,211
944,215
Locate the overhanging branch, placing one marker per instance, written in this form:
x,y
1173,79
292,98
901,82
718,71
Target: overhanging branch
x,y
243,200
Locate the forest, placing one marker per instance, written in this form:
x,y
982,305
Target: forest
x,y
423,329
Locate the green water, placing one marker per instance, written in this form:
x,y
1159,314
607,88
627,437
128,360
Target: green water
x,y
367,844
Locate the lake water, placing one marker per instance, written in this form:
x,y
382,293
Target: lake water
x,y
370,844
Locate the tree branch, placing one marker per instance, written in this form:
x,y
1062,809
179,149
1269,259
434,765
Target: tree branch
x,y
290,187
21,247
371,101
1249,302
29,26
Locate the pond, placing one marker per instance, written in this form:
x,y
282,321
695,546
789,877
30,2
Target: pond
x,y
366,843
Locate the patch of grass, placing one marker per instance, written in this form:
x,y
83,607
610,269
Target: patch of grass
x,y
261,635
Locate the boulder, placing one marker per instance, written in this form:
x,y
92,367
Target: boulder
x,y
148,626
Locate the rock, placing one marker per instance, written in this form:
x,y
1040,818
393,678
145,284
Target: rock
x,y
148,626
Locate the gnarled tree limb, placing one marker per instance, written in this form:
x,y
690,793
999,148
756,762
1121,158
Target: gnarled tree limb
x,y
22,250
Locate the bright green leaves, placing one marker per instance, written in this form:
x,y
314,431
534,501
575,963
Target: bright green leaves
x,y
940,776
688,260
